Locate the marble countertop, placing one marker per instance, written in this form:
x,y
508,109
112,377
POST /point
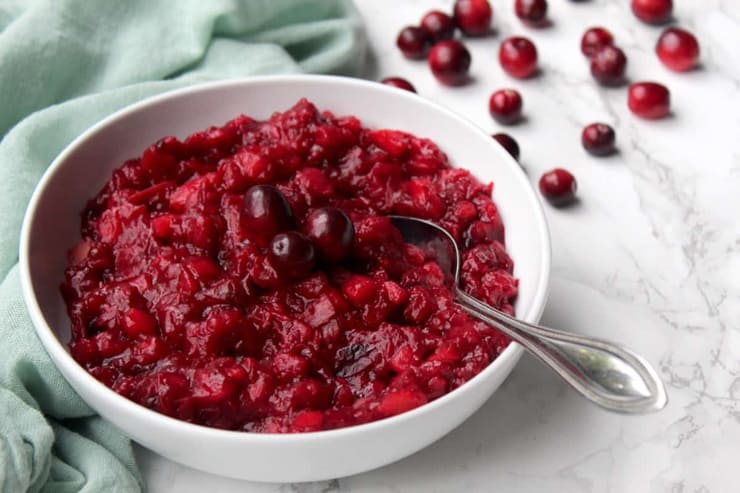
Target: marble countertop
x,y
650,258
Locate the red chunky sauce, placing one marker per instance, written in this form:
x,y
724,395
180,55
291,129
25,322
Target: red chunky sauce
x,y
176,304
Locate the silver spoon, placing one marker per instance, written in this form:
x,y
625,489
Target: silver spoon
x,y
611,376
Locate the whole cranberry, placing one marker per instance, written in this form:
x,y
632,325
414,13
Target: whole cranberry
x,y
332,232
292,254
678,49
505,106
598,139
653,11
518,57
608,65
531,11
558,186
450,62
414,42
399,82
594,39
266,211
438,25
473,17
649,100
508,143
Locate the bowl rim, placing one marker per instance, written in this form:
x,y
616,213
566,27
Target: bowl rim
x,y
61,357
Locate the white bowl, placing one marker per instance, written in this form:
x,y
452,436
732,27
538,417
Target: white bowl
x,y
52,225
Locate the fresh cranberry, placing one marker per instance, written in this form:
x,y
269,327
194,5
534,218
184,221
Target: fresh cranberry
x,y
558,186
649,100
399,82
438,25
473,17
332,233
450,62
508,143
266,211
531,11
414,42
518,57
678,49
653,11
608,65
292,254
505,106
598,139
594,39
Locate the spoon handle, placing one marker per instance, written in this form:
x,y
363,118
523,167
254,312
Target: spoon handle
x,y
611,376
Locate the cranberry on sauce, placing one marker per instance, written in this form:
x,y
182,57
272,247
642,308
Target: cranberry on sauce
x,y
598,139
414,42
399,83
473,17
558,186
450,61
267,211
678,49
518,57
649,100
594,39
332,232
531,11
438,25
508,143
292,254
505,106
608,65
653,11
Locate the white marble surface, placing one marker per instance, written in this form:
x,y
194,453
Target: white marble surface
x,y
650,257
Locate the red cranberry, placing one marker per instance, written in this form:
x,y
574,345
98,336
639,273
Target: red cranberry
x,y
438,25
413,42
558,186
518,57
450,62
332,233
266,211
678,49
607,66
508,143
292,254
505,106
399,82
532,11
649,100
598,139
594,39
473,17
653,11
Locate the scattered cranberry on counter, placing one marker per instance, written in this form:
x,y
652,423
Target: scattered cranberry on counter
x,y
558,186
594,39
505,106
438,25
518,57
653,11
332,232
473,17
608,65
399,82
531,11
678,49
508,143
649,100
598,139
414,42
450,61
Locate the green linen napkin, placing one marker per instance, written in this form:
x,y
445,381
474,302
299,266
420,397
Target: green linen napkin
x,y
64,65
